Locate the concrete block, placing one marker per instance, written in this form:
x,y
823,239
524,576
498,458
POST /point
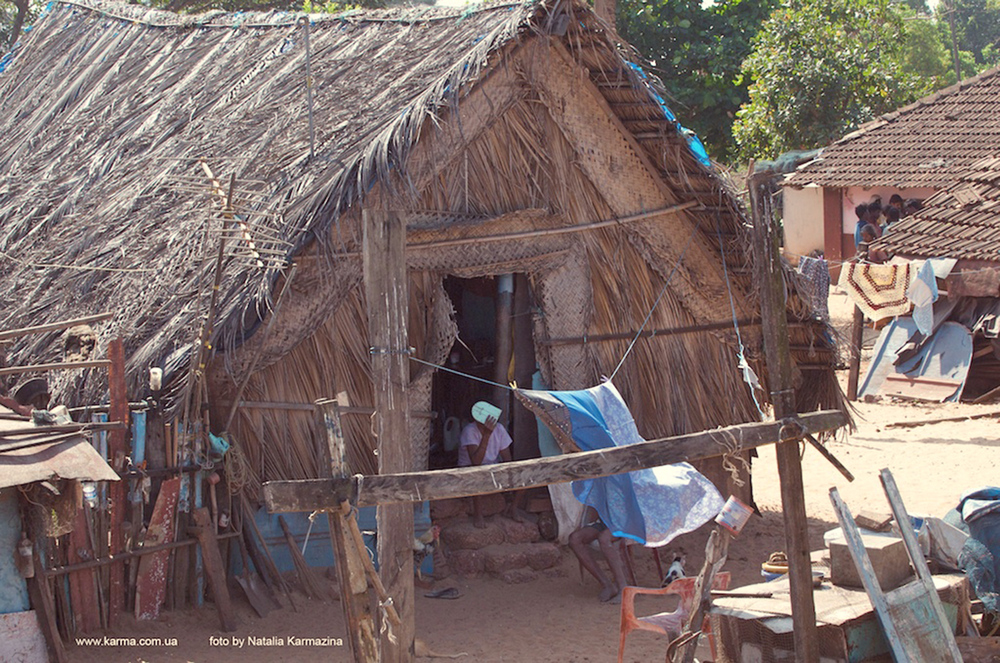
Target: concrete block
x,y
888,556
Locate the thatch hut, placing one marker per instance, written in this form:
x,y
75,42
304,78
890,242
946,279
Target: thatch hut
x,y
515,138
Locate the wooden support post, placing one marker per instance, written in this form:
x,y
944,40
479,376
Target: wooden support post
x,y
525,427
857,339
214,568
350,570
779,371
386,291
504,344
117,450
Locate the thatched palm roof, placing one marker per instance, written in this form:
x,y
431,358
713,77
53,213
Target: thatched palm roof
x,y
106,110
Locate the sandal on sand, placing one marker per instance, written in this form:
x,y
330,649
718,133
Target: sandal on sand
x,y
447,593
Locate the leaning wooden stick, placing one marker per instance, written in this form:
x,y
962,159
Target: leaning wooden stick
x,y
830,457
359,542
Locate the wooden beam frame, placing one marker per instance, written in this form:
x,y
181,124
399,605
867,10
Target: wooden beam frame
x,y
609,154
312,494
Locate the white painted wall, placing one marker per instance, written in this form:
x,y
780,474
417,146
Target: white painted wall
x,y
802,215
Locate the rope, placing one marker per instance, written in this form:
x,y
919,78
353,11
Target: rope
x,y
459,373
740,355
663,291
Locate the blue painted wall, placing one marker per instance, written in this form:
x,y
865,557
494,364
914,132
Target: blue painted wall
x,y
13,589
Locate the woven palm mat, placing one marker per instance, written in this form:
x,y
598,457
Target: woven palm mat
x,y
878,290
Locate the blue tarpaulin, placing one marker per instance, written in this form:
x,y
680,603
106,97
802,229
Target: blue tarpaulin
x,y
651,506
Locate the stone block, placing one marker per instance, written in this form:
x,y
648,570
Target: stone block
x,y
467,563
463,535
442,509
888,556
503,558
515,532
491,504
541,556
518,576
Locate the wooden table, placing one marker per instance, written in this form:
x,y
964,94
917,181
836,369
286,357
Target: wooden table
x,y
756,629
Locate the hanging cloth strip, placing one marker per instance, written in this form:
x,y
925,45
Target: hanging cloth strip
x,y
817,276
878,290
651,506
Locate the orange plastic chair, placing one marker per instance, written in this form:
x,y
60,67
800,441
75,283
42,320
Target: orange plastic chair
x,y
670,624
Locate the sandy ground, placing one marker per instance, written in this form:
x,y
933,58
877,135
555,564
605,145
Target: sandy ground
x,y
558,617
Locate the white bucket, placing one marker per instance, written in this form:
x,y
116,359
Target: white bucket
x,y
734,515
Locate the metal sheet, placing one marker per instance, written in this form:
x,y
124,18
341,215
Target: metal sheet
x,y
68,459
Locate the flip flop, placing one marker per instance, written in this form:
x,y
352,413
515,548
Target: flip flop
x,y
447,593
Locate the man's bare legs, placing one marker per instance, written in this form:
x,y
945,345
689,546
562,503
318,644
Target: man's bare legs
x,y
579,543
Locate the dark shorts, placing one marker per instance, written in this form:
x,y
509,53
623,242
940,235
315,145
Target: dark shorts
x,y
597,525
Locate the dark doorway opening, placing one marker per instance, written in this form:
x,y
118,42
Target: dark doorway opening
x,y
487,310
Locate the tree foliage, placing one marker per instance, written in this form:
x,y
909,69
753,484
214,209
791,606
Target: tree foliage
x,y
820,68
14,15
697,49
977,27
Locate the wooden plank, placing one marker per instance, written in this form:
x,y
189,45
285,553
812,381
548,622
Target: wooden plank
x,y
919,388
151,583
351,579
58,366
214,568
40,594
928,629
386,290
310,494
941,420
118,412
979,650
774,314
83,594
54,326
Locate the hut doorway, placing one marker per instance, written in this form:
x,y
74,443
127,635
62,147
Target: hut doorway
x,y
495,343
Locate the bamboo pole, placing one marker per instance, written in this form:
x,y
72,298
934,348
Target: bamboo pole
x,y
54,326
779,371
58,366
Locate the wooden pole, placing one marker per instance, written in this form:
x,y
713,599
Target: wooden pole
x,y
311,494
384,248
525,428
857,338
117,450
54,326
504,344
215,569
779,371
361,632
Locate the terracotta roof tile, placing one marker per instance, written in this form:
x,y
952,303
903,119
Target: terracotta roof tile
x,y
929,143
962,221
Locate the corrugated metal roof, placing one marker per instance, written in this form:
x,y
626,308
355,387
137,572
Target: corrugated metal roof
x,y
32,453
